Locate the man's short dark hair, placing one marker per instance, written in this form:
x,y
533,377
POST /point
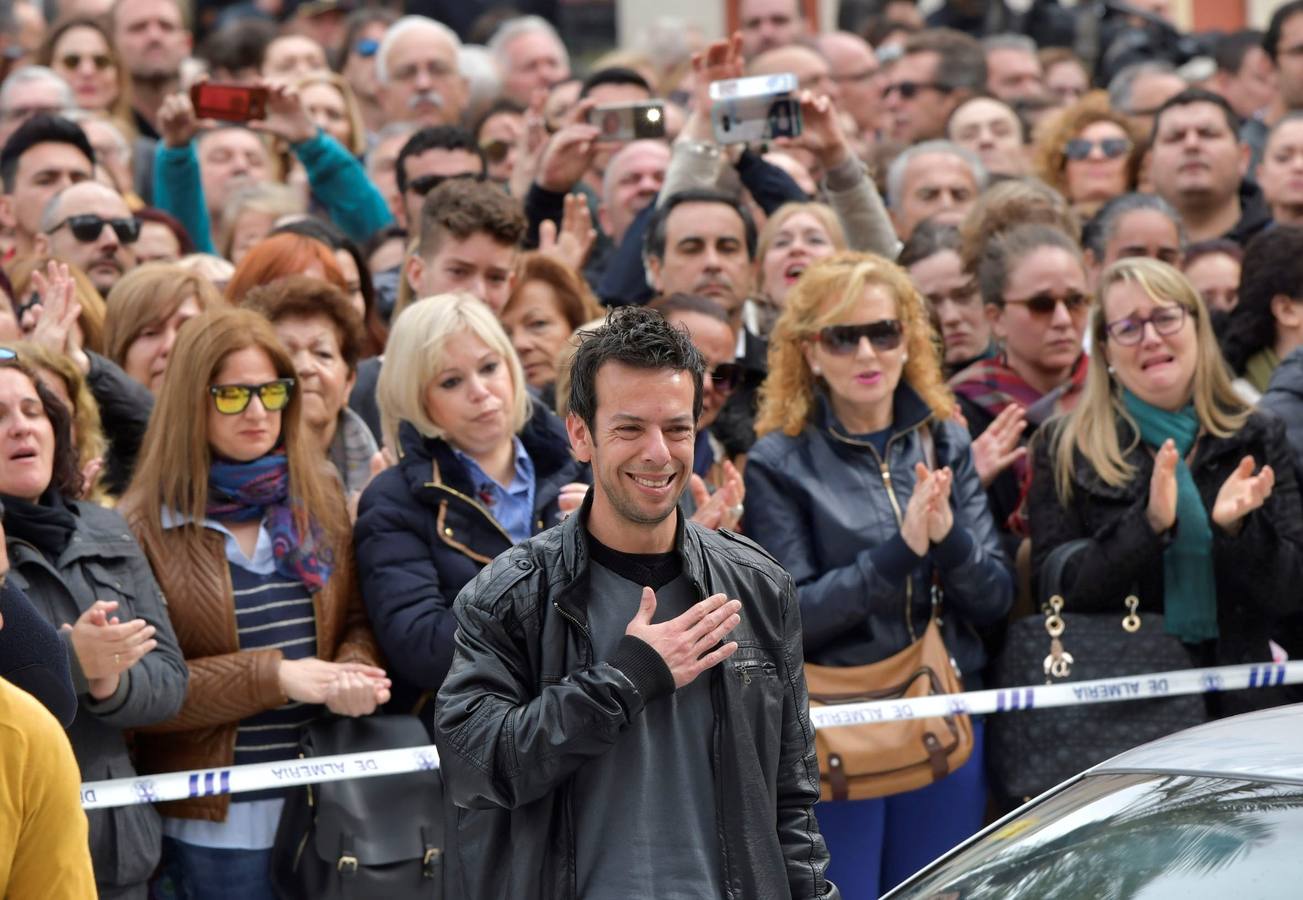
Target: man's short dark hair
x,y
1198,95
436,137
638,337
683,302
614,75
462,207
1230,50
42,129
1271,40
237,45
961,61
657,228
499,106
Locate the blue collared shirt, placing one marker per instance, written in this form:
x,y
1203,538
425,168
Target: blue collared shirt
x,y
512,506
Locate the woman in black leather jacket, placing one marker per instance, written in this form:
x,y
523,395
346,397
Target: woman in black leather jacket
x,y
864,489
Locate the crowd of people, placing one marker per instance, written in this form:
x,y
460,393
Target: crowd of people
x,y
409,394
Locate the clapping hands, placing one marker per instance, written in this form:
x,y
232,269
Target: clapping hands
x,y
928,517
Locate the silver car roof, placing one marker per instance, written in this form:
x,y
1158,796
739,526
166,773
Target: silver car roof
x,y
1259,745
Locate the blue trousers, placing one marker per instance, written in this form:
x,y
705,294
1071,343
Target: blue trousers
x,y
876,844
191,872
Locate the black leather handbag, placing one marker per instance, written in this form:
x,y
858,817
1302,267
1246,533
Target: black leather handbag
x,y
380,837
1030,751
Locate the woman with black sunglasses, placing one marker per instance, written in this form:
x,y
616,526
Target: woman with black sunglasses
x,y
250,539
863,487
1089,153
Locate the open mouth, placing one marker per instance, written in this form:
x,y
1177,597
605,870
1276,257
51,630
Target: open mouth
x,y
794,271
1157,361
652,482
869,377
23,454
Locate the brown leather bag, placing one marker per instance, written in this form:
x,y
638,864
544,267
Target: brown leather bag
x,y
857,762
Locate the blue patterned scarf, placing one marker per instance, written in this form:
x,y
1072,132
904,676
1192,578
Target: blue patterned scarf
x,y
249,491
1189,581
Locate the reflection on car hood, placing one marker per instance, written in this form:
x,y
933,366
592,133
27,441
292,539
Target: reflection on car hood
x,y
1266,744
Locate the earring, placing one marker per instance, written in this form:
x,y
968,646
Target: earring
x,y
1110,370
904,357
816,370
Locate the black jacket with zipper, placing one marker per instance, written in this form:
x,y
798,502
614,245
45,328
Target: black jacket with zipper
x,y
421,534
526,705
829,508
1258,569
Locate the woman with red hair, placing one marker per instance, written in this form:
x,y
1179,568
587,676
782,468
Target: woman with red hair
x,y
280,256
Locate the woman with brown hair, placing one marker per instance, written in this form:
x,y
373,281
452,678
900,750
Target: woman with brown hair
x,y
1089,153
547,303
280,256
251,539
80,51
863,487
149,305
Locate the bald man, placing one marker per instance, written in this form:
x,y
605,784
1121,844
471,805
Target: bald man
x,y
91,227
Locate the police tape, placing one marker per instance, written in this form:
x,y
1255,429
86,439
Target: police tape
x,y
297,772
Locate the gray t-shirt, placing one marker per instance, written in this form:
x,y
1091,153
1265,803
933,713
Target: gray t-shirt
x,y
645,822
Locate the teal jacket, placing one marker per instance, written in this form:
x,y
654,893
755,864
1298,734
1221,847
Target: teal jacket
x,y
337,179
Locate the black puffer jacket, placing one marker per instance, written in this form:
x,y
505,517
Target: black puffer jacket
x,y
829,509
1284,397
526,705
1258,570
421,534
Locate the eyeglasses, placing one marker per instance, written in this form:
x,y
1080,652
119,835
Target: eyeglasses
x,y
725,377
1078,149
427,183
22,113
910,89
1046,304
87,228
233,399
366,47
844,340
1131,330
74,60
495,151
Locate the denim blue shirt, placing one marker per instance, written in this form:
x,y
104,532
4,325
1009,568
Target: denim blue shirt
x,y
512,506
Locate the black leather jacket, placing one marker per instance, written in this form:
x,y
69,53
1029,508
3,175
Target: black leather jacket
x,y
525,705
829,508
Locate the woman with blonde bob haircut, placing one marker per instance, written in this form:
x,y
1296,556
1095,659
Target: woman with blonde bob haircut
x,y
147,307
794,237
480,468
863,487
1158,438
247,531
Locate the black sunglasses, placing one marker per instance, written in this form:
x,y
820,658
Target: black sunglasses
x,y
911,89
426,183
845,339
725,377
87,228
495,151
1046,304
1078,149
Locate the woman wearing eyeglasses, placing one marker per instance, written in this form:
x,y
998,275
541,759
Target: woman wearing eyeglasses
x,y
1088,153
1033,285
480,468
863,487
1187,496
250,541
81,570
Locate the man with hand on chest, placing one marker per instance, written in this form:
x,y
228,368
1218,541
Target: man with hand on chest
x,y
626,713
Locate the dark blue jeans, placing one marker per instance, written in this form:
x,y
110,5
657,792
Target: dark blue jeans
x,y
877,844
190,872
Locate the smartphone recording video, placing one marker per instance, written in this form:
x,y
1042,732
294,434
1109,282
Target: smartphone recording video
x,y
759,108
229,102
629,121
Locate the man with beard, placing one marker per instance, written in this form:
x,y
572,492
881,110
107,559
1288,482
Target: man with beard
x,y
152,41
590,720
417,70
91,227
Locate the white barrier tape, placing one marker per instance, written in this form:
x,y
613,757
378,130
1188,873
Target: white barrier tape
x,y
257,777
1078,693
294,772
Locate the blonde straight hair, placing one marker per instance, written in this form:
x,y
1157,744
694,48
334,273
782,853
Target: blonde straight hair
x,y
824,293
415,355
1091,428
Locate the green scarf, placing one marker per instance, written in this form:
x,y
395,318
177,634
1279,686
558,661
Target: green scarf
x,y
1258,368
1189,582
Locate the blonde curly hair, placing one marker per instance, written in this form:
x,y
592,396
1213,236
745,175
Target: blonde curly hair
x,y
823,295
1048,157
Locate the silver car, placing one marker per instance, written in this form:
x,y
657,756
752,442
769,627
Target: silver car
x,y
1212,812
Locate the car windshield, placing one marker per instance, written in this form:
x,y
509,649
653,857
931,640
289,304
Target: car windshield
x,y
1135,836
